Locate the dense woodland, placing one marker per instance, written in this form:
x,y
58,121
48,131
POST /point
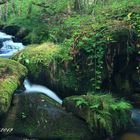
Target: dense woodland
x,y
88,53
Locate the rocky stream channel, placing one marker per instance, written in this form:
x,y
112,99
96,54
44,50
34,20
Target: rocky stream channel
x,y
41,116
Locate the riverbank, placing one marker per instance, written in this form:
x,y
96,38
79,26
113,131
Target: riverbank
x,y
77,53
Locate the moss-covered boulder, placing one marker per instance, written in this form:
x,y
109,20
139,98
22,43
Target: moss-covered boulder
x,y
37,116
101,112
11,74
51,65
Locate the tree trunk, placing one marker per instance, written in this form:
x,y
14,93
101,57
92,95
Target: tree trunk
x,y
77,5
6,10
69,8
0,12
20,8
29,10
13,6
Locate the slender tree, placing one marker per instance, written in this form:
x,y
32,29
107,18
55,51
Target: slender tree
x,y
13,6
0,12
29,10
6,10
20,8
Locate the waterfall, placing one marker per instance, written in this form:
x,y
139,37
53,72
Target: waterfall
x,y
32,88
5,37
7,46
7,49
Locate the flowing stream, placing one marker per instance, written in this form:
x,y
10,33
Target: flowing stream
x,y
7,49
7,46
32,88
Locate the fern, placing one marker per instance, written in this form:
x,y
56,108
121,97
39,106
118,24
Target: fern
x,y
105,114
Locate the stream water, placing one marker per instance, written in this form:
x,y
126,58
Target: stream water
x,y
8,48
33,88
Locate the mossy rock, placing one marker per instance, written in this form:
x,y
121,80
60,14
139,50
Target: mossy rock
x,y
102,112
50,65
37,116
11,74
72,68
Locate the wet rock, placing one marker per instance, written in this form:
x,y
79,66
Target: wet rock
x,y
37,116
11,29
19,33
101,112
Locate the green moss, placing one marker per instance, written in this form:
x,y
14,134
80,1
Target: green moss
x,y
11,72
50,63
101,112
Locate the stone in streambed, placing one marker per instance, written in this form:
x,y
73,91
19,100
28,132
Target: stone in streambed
x,y
37,116
102,112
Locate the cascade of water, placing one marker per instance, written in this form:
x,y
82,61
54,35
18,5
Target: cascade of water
x,y
7,46
32,88
5,37
8,49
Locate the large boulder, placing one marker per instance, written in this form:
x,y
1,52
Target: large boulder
x,y
11,74
37,116
101,112
52,66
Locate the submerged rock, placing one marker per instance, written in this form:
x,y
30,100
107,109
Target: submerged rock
x,y
37,116
11,74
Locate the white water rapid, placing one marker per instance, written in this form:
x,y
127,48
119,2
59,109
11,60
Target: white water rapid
x,y
7,46
33,88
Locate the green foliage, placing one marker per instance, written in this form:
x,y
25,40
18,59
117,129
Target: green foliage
x,y
103,112
11,73
84,36
88,46
135,19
